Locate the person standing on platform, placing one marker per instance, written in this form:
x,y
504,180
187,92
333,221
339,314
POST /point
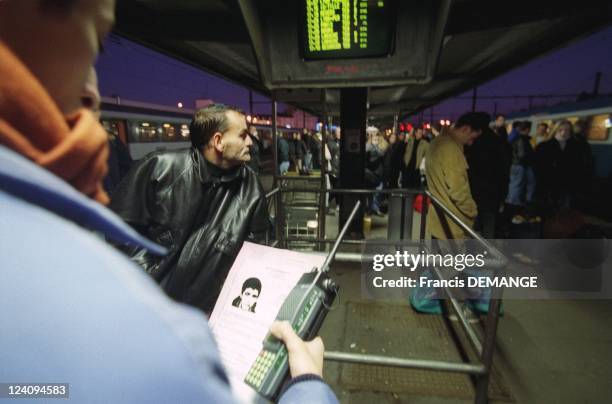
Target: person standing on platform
x,y
564,167
283,155
522,186
256,150
488,175
447,177
415,151
119,159
500,127
541,135
333,150
446,170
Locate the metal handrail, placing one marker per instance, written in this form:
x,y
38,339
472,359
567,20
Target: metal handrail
x,y
273,192
357,191
299,177
502,260
461,367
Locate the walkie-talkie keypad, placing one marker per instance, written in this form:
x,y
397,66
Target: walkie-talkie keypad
x,y
264,362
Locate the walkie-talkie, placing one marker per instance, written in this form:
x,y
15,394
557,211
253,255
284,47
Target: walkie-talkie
x,y
305,308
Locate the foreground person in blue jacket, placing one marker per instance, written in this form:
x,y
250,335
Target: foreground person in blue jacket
x,y
76,312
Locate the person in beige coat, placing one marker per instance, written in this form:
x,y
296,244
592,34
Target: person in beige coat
x,y
447,177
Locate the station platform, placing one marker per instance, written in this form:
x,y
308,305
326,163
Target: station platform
x,y
548,351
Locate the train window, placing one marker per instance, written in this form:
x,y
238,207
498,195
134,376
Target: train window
x,y
184,131
145,132
598,130
110,127
168,133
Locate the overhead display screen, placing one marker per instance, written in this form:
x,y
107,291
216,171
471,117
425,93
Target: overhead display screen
x,y
337,29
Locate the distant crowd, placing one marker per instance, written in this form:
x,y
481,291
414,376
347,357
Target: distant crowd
x,y
513,176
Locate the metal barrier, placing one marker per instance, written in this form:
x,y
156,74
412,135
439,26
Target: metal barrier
x,y
483,348
269,201
486,348
400,192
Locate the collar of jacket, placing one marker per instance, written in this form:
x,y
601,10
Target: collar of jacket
x,y
205,174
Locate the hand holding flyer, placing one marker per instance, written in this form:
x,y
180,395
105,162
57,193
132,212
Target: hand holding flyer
x,y
254,291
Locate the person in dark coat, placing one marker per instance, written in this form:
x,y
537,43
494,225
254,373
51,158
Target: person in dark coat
x,y
284,158
488,176
300,152
119,163
200,203
563,166
315,149
256,149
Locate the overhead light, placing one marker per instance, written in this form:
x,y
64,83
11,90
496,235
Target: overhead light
x,y
249,118
166,125
180,105
145,124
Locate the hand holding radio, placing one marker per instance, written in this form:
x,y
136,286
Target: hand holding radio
x,y
304,357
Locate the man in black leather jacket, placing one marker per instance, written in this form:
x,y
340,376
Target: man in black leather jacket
x,y
201,203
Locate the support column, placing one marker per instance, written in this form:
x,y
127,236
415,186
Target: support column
x,y
353,113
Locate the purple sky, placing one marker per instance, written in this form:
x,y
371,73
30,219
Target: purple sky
x,y
570,70
137,73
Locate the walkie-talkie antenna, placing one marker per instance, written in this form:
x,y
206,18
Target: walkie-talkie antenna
x,y
332,253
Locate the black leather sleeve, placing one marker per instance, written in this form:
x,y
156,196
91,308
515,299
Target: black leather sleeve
x,y
260,222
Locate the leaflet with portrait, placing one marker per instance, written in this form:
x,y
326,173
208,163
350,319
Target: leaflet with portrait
x,y
256,287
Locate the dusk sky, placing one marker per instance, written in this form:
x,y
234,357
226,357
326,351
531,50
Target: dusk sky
x,y
134,72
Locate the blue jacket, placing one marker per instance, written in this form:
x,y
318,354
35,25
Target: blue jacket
x,y
75,310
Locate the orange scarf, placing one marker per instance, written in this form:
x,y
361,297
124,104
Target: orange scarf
x,y
74,148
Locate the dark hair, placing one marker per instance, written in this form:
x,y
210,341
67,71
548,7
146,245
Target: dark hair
x,y
543,124
252,283
57,6
524,125
475,120
208,121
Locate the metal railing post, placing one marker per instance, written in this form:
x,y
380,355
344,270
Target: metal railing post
x,y
323,194
279,222
482,383
424,211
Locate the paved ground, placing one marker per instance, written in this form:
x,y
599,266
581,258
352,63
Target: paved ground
x,y
547,351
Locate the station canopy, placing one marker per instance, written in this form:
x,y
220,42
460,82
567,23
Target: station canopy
x,y
410,54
